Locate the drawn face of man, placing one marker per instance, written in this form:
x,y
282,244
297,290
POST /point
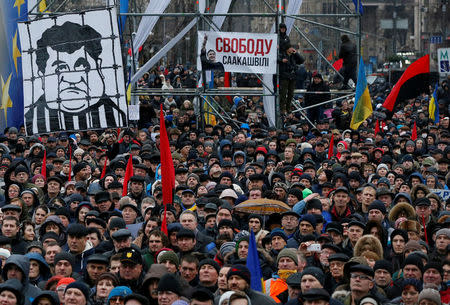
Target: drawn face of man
x,y
76,76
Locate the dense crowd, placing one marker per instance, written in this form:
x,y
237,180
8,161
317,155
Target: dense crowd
x,y
364,219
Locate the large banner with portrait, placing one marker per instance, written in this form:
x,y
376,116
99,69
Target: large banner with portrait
x,y
238,52
72,72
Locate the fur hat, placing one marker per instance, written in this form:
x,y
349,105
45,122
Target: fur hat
x,y
399,208
410,225
368,242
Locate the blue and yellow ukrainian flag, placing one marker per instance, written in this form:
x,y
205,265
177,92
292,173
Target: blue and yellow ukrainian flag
x,y
11,90
363,104
433,107
256,280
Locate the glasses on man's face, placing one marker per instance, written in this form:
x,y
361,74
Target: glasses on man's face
x,y
360,276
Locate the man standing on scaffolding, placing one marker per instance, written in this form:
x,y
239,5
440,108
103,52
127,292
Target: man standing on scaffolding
x,y
288,61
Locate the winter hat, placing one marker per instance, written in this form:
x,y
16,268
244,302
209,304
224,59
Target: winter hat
x,y
14,286
241,239
445,232
296,192
168,256
65,256
412,282
227,247
5,253
415,260
412,245
316,272
241,271
378,205
169,282
80,286
434,265
309,218
383,264
430,294
382,165
279,232
119,291
288,252
65,281
400,232
211,262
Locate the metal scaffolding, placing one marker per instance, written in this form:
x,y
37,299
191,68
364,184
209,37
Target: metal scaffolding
x,y
341,15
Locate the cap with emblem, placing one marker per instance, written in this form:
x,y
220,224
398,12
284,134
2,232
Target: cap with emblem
x,y
132,256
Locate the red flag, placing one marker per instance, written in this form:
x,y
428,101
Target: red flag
x,y
167,169
44,166
330,56
227,84
425,229
338,64
330,147
414,132
377,127
413,81
70,162
104,169
128,174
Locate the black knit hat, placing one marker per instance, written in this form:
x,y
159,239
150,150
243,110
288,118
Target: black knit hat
x,y
169,282
80,286
434,265
65,256
211,262
383,264
400,232
414,259
316,272
241,271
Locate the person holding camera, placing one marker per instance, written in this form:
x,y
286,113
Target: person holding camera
x,y
288,61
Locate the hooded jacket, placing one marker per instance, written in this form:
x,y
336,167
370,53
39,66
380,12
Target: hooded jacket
x,y
23,263
240,152
44,269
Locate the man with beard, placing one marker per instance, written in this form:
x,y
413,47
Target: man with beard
x,y
80,171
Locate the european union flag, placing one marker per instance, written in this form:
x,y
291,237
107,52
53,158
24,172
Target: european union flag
x,y
11,105
256,280
360,10
363,104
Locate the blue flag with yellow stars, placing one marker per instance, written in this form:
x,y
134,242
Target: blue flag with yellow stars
x,y
11,105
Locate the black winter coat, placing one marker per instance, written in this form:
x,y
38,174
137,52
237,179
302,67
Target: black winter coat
x,y
348,54
287,70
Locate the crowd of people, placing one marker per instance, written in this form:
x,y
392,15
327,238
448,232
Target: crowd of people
x,y
366,212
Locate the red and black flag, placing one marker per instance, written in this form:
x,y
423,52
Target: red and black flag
x,y
413,82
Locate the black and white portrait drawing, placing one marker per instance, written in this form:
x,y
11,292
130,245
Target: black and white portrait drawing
x,y
73,74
